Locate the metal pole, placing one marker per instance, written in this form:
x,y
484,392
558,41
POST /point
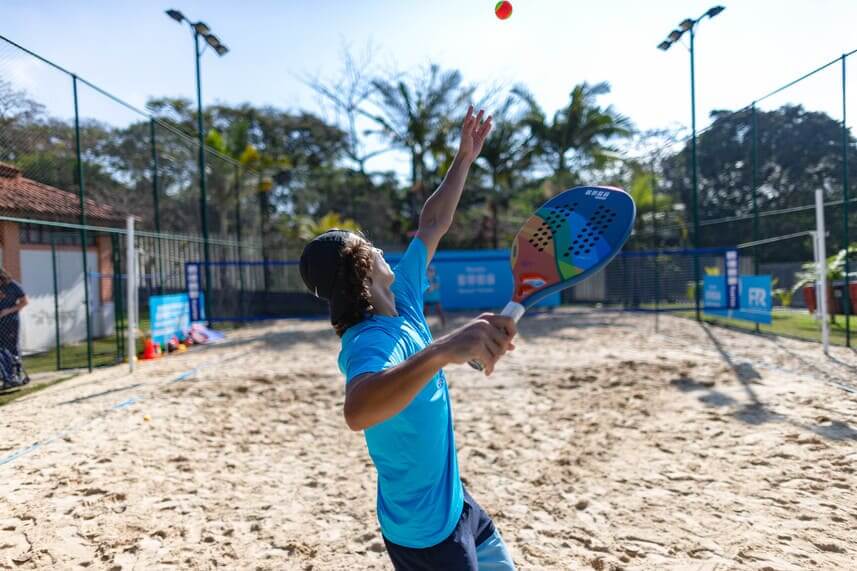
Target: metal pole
x,y
83,237
156,199
118,303
822,268
131,273
817,283
263,213
202,197
238,235
847,301
655,243
695,182
56,299
753,170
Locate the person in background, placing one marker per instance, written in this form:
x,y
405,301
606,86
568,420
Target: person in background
x,y
12,300
432,296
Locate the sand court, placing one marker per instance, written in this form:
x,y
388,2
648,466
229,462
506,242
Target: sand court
x,y
600,443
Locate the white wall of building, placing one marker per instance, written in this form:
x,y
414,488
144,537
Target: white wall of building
x,y
38,331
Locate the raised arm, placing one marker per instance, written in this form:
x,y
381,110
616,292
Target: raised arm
x,y
439,209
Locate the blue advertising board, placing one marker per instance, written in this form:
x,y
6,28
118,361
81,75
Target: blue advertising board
x,y
169,315
754,298
475,279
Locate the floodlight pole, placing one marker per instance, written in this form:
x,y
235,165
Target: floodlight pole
x,y
689,25
201,30
203,210
694,180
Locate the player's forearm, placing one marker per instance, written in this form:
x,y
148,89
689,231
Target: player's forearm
x,y
439,209
375,397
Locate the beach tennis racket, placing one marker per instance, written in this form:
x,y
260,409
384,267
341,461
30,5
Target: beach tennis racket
x,y
567,240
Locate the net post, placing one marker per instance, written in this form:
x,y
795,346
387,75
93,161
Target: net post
x,y
131,273
822,269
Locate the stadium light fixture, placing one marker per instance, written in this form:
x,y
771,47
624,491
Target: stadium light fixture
x,y
714,11
688,25
176,15
202,28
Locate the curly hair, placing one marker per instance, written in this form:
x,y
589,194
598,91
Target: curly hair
x,y
356,266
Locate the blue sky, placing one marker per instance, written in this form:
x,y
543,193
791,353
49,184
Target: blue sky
x,y
134,50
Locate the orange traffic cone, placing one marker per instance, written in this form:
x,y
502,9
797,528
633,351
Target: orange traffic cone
x,y
149,351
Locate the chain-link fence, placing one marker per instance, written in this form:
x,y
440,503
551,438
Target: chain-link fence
x,y
75,162
758,169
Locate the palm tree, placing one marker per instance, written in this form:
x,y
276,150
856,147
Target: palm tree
x,y
507,153
416,113
580,133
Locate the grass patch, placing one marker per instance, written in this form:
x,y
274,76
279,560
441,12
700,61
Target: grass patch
x,y
13,394
799,324
104,351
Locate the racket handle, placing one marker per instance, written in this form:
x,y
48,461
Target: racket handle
x,y
514,310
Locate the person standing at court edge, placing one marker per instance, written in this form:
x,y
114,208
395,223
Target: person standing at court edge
x,y
12,301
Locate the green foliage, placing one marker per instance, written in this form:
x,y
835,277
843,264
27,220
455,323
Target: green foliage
x,y
579,135
797,151
784,296
835,265
291,169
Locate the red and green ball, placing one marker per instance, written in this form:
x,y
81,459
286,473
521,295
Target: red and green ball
x,y
503,9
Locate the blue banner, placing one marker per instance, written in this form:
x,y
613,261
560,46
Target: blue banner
x,y
754,298
169,316
475,279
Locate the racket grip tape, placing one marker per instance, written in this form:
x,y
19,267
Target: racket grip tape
x,y
514,310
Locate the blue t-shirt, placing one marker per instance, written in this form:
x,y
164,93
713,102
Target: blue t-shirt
x,y
420,497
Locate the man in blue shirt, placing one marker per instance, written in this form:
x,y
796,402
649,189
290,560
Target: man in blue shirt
x,y
396,389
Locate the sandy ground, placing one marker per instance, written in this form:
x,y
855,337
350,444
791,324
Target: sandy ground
x,y
599,443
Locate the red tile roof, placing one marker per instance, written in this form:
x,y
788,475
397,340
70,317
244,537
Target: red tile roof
x,y
26,198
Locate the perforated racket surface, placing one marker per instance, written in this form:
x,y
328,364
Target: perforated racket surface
x,y
567,240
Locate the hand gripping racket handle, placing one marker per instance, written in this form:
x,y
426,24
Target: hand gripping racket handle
x,y
514,310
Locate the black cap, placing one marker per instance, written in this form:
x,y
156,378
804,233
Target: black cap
x,y
321,269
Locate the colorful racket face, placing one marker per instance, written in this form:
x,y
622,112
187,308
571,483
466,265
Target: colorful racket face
x,y
568,239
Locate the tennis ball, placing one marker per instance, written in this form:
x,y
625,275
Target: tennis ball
x,y
503,9
146,417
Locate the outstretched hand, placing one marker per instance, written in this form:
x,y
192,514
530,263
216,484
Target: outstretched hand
x,y
474,131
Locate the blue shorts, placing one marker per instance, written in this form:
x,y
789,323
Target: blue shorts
x,y
474,545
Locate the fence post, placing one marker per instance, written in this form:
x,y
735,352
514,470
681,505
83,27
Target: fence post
x,y
847,300
118,304
156,199
83,236
238,234
56,298
655,241
263,226
753,174
131,272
